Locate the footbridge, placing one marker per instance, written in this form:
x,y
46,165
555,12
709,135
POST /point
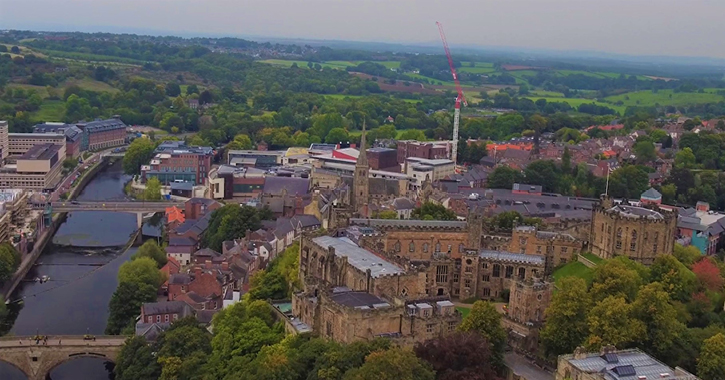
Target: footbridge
x,y
133,207
36,358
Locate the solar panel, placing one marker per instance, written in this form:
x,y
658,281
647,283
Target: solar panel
x,y
610,358
624,370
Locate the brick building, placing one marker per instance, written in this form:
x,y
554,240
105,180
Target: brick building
x,y
636,232
383,159
102,134
176,162
73,136
164,312
428,150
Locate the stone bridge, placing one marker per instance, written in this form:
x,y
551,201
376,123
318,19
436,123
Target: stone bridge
x,y
133,207
36,361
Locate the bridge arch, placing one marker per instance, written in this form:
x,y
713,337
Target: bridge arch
x,y
36,361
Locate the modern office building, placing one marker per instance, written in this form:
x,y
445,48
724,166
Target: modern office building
x,y
4,149
176,162
21,143
37,169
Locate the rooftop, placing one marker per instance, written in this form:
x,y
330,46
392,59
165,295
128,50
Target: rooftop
x,y
101,125
360,258
357,299
512,257
425,161
408,223
651,193
637,212
626,364
40,152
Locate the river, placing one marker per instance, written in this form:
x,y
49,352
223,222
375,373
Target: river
x,y
82,278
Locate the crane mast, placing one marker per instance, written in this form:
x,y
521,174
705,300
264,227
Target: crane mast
x,y
459,98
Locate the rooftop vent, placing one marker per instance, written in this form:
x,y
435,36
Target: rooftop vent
x,y
610,358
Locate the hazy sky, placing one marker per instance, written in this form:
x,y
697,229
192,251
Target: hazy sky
x,y
642,27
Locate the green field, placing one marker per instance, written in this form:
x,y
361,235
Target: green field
x,y
574,269
576,102
342,65
592,257
666,98
50,110
40,90
90,85
463,310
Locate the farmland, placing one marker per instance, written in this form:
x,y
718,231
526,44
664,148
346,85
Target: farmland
x,y
576,102
666,98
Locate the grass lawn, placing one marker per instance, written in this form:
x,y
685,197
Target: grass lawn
x,y
476,70
574,269
665,98
50,110
592,257
91,85
464,310
546,94
40,90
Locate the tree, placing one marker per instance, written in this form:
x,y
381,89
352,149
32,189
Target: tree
x,y
486,321
611,322
3,49
172,89
504,177
708,274
138,153
9,261
543,173
125,304
387,214
205,97
685,159
687,255
142,270
628,182
614,278
566,161
240,142
15,50
676,279
153,190
458,356
566,318
413,134
645,152
337,135
192,89
151,250
433,211
711,364
654,309
393,364
230,222
136,361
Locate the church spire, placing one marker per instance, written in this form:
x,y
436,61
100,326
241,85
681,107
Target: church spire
x,y
362,159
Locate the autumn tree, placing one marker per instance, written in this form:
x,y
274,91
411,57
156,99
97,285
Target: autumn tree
x,y
486,321
459,356
711,364
566,318
708,275
611,322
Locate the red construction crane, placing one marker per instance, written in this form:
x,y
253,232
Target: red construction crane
x,y
459,99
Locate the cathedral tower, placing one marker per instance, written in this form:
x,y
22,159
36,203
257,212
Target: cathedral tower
x,y
361,180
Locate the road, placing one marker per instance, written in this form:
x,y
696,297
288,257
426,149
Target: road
x,y
65,184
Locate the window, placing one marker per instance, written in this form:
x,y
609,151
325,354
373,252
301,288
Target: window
x,y
467,282
455,277
486,292
397,246
522,273
469,269
166,318
158,318
150,318
496,270
549,249
425,247
633,241
484,265
404,292
522,241
563,250
538,249
441,273
618,244
486,278
176,316
509,271
429,327
328,328
449,248
426,312
411,247
451,326
438,247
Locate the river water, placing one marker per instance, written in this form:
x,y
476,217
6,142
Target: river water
x,y
82,278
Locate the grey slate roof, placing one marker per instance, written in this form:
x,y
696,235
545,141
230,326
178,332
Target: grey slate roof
x,y
360,258
168,307
356,299
651,193
408,223
182,241
636,212
294,186
101,125
641,364
512,257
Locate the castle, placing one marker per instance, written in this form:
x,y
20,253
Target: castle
x,y
640,233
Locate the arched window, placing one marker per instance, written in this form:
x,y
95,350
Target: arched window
x,y
438,247
411,247
361,285
633,241
397,246
496,270
619,238
461,248
425,247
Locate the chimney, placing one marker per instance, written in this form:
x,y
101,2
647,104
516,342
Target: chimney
x,y
225,265
207,264
197,272
353,145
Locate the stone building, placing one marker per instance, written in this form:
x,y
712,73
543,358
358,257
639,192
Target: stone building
x,y
557,247
527,302
612,364
351,294
636,232
361,181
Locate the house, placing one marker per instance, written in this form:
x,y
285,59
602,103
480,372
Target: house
x,y
201,288
403,207
164,312
180,249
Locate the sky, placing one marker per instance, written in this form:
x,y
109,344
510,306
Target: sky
x,y
636,27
